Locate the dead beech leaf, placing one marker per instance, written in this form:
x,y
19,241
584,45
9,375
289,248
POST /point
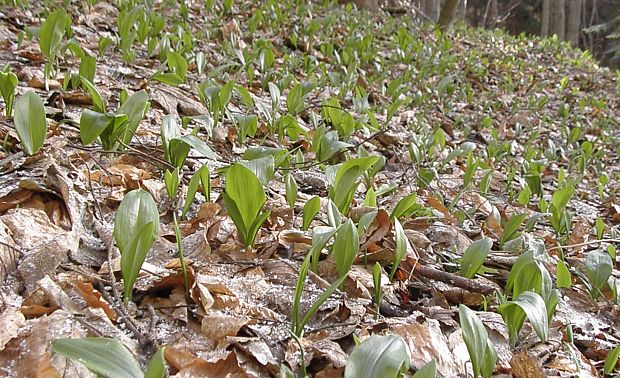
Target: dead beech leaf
x,y
9,253
526,366
27,355
178,358
427,341
44,244
580,233
217,327
326,350
93,298
493,224
439,206
14,198
227,367
120,175
11,319
378,229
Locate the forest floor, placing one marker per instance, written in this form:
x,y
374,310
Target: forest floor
x,y
475,134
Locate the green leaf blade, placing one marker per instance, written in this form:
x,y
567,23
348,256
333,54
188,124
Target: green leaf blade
x,y
103,356
30,122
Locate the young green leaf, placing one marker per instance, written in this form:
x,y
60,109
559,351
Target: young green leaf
x,y
8,83
334,218
263,168
563,276
88,67
370,199
30,122
52,32
296,328
93,124
474,256
203,177
98,103
294,99
481,351
511,227
319,301
291,189
611,360
528,304
244,198
134,107
403,206
171,180
376,280
346,246
103,356
321,235
346,181
248,124
157,365
311,209
598,269
402,244
378,357
427,371
136,227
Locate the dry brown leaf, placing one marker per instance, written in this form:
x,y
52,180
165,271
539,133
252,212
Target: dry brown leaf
x,y
579,234
439,206
120,175
378,229
93,298
11,319
44,244
224,368
217,327
526,366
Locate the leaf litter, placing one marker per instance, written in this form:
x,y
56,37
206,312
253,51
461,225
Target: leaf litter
x,y
502,95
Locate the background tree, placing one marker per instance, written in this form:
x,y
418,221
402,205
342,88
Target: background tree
x,y
448,11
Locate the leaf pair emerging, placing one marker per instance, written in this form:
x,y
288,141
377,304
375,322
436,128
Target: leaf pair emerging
x,y
30,122
244,198
136,227
113,129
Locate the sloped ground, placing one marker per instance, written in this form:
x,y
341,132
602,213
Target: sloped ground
x,y
536,116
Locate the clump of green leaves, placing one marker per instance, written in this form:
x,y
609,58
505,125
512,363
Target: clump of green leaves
x,y
136,226
560,217
114,130
177,70
474,256
481,351
528,304
378,357
109,358
8,83
346,181
30,122
244,197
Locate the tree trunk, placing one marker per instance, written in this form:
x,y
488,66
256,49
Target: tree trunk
x,y
431,9
573,27
447,13
546,15
558,18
